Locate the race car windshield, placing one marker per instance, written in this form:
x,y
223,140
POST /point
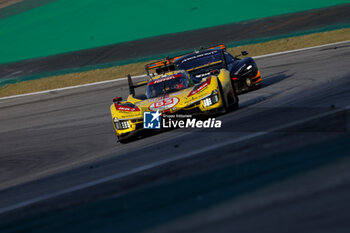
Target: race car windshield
x,y
167,84
202,59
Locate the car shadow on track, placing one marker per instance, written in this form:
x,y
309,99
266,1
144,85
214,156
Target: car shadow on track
x,y
267,81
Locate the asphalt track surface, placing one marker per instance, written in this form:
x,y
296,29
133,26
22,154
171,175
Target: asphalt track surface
x,y
58,151
160,46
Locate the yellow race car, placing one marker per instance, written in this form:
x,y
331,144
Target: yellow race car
x,y
171,92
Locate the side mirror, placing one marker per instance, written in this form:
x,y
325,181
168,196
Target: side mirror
x,y
244,53
117,99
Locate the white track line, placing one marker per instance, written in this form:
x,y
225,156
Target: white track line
x,y
303,49
140,76
71,87
159,163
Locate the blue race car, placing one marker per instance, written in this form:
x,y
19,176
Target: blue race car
x,y
244,72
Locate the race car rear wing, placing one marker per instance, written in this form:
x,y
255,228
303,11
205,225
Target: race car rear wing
x,y
162,66
168,64
222,61
132,86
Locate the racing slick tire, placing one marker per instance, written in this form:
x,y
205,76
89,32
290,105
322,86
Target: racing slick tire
x,y
121,140
248,83
224,107
124,139
254,87
235,105
243,86
235,99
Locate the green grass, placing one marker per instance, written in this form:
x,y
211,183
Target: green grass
x,y
64,25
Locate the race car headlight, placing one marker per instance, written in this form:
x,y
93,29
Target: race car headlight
x,y
124,124
247,69
207,102
121,124
212,99
250,70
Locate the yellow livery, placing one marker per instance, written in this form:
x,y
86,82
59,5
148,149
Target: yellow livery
x,y
172,92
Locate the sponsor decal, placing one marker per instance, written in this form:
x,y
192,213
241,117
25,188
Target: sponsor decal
x,y
202,75
164,104
198,56
126,108
151,120
199,88
165,78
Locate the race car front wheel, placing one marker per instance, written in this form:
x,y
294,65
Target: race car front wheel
x,y
125,138
248,82
223,100
121,140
